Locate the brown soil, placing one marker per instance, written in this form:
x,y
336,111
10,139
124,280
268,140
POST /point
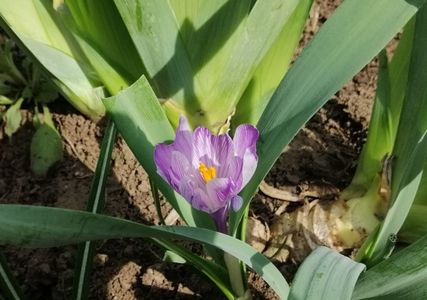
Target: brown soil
x,y
325,151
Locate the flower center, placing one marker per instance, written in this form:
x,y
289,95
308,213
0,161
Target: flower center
x,y
208,173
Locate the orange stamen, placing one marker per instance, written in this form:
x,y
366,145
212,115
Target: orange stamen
x,y
208,173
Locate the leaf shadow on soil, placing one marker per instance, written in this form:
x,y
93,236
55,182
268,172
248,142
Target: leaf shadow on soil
x,y
125,269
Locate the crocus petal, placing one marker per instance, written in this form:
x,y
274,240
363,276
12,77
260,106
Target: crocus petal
x,y
162,159
200,200
245,138
244,141
212,149
250,161
183,124
219,191
184,139
233,171
187,189
236,202
180,169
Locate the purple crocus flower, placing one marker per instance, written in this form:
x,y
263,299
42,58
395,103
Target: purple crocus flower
x,y
209,170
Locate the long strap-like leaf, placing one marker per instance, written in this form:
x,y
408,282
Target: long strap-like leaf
x,y
349,39
33,226
402,276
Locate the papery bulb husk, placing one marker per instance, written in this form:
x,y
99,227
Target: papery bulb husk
x,y
342,225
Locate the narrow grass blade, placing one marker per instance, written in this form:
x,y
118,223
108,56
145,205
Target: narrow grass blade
x,y
86,250
402,276
156,197
31,226
8,285
410,147
325,274
331,59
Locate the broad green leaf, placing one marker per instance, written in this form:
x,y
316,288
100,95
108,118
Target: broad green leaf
x,y
410,146
209,30
385,117
100,25
31,226
8,285
110,77
331,59
5,101
46,146
325,274
402,276
251,46
12,118
272,68
48,41
415,225
142,122
155,33
228,46
87,250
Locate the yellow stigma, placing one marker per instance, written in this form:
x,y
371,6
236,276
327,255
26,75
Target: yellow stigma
x,y
208,173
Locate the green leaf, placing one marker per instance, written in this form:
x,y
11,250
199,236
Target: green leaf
x,y
46,146
272,68
154,31
8,66
252,44
95,204
415,225
410,146
99,23
49,42
228,46
32,226
5,100
391,86
170,256
325,274
13,117
331,59
402,276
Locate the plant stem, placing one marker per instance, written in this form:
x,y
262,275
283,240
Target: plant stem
x,y
236,277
